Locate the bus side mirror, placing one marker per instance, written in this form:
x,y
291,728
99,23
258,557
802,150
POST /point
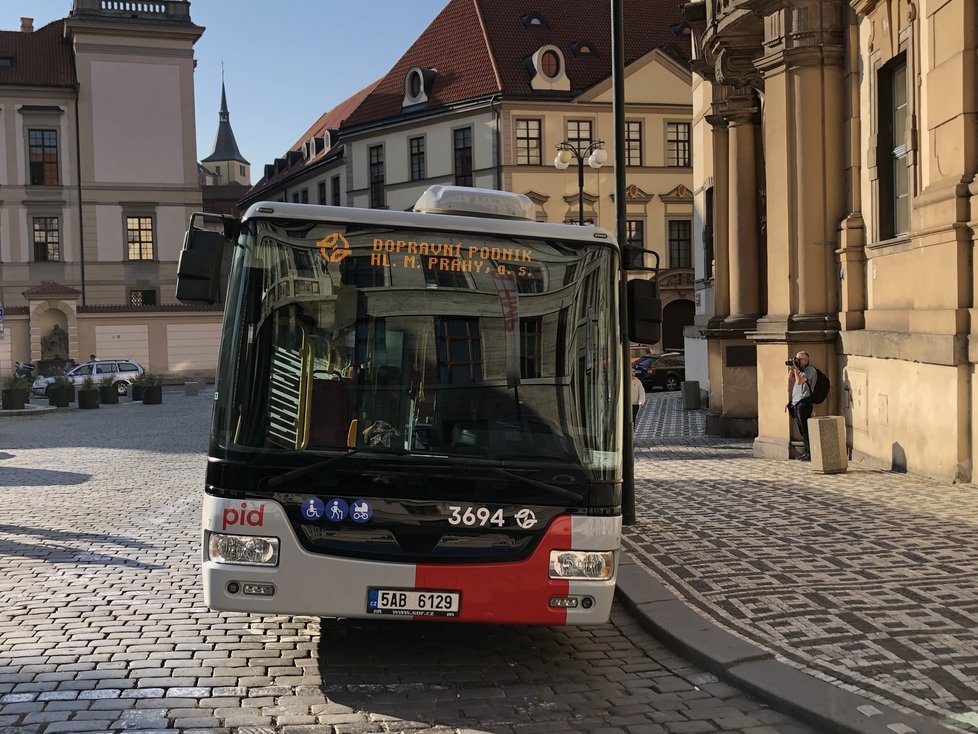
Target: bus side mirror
x,y
644,311
199,269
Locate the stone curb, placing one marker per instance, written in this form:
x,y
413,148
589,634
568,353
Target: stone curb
x,y
39,410
754,670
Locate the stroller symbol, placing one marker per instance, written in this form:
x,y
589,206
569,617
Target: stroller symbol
x,y
361,511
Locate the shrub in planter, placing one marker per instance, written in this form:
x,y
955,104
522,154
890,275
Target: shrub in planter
x,y
16,392
152,389
107,392
137,386
88,395
61,392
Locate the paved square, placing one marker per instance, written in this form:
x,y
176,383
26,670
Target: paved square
x,y
866,579
103,627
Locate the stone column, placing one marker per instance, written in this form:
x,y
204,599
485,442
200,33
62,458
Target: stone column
x,y
852,236
733,385
721,185
742,210
806,141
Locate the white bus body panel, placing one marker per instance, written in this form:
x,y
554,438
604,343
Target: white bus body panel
x,y
323,585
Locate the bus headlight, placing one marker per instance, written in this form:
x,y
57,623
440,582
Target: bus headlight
x,y
582,564
245,550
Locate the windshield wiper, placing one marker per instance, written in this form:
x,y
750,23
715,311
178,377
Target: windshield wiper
x,y
278,481
552,488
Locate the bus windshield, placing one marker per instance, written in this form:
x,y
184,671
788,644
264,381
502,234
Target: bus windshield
x,y
468,346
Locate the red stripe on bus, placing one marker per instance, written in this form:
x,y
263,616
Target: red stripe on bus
x,y
506,593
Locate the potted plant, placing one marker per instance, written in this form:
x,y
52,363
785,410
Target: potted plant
x,y
137,386
61,392
88,395
107,392
16,392
153,389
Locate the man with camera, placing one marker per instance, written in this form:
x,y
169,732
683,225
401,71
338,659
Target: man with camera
x,y
801,380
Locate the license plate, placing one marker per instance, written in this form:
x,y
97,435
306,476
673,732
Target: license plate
x,y
412,602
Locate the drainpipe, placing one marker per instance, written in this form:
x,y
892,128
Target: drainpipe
x,y
81,229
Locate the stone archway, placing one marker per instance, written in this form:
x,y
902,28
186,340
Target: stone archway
x,y
54,325
676,316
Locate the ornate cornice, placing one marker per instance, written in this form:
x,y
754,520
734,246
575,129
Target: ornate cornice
x,y
734,66
738,41
736,105
803,32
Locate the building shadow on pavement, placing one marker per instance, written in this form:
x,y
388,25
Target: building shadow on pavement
x,y
29,477
71,547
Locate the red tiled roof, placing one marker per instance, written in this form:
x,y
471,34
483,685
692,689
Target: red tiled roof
x,y
16,311
479,47
41,58
50,288
646,27
332,119
454,44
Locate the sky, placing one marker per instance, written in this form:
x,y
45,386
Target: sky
x,y
285,61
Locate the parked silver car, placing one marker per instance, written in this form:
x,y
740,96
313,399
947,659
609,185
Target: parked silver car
x,y
122,372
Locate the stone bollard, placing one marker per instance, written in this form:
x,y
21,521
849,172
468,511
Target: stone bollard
x,y
827,437
191,388
691,395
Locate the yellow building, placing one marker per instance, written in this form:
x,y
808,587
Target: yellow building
x,y
835,191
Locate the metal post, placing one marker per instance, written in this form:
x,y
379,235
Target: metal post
x,y
618,85
580,188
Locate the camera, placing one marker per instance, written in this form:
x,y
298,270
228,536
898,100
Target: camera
x,y
793,362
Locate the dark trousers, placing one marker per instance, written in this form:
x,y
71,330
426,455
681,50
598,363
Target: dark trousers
x,y
635,407
803,411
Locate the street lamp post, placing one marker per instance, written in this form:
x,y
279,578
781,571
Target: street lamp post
x,y
595,156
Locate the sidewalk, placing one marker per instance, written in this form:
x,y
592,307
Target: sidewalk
x,y
865,582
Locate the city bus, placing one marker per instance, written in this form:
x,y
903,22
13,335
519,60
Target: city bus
x,y
417,415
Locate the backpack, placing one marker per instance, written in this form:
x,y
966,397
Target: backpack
x,y
822,387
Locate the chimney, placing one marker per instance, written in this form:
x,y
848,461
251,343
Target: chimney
x,y
26,25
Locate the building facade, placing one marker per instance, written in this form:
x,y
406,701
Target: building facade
x,y
835,203
484,96
99,176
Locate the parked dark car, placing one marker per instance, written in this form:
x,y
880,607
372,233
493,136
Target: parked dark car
x,y
666,371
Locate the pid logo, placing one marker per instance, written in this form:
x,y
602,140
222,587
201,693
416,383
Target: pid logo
x,y
243,517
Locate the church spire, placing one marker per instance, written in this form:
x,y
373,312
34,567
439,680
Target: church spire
x,y
224,115
225,146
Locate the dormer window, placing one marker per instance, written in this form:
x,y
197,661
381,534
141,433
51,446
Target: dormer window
x,y
547,69
534,20
417,85
583,48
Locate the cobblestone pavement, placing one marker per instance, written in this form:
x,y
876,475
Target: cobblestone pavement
x,y
866,579
103,627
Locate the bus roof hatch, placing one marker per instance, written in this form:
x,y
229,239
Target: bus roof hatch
x,y
472,202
